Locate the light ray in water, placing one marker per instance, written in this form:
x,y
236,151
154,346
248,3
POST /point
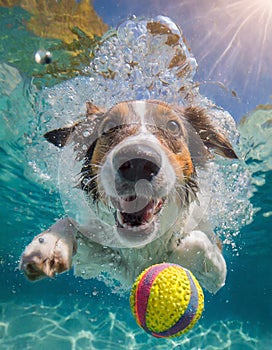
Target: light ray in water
x,y
242,45
231,41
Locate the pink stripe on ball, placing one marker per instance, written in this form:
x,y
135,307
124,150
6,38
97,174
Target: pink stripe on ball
x,y
143,291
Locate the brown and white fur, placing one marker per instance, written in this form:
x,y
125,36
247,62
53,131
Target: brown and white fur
x,y
143,164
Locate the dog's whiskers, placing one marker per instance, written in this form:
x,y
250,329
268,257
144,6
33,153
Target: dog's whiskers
x,y
187,191
88,183
88,178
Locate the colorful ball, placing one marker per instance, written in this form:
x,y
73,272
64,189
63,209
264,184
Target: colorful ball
x,y
166,300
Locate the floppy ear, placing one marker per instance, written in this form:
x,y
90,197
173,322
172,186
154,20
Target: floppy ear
x,y
60,137
211,138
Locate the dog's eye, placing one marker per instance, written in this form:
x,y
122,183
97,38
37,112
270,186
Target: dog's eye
x,y
174,127
107,126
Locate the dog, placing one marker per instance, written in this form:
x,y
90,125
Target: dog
x,y
141,175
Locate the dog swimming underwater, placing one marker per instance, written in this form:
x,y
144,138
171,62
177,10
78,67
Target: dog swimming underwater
x,y
142,165
139,173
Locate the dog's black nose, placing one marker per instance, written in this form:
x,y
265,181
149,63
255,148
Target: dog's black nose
x,y
137,168
136,162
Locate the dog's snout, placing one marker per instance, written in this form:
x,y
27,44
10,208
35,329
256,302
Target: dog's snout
x,y
137,169
136,162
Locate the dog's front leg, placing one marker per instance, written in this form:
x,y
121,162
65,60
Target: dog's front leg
x,y
51,251
204,258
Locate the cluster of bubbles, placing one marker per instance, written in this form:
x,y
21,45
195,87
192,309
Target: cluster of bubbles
x,y
145,59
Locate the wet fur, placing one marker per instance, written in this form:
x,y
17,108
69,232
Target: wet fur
x,y
186,150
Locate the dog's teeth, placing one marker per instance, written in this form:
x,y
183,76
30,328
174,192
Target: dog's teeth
x,y
120,218
138,228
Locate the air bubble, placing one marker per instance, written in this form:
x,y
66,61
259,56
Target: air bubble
x,y
43,57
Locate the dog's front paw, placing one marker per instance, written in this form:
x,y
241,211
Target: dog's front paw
x,y
49,253
203,258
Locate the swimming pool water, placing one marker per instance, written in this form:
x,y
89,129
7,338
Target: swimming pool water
x,y
72,313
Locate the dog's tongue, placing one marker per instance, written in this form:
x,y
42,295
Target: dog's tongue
x,y
133,204
137,211
140,217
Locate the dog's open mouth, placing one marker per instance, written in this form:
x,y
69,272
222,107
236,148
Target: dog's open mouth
x,y
137,214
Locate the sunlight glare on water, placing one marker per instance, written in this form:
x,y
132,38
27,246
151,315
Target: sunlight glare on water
x,y
231,41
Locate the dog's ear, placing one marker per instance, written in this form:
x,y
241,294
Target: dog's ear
x,y
211,138
93,110
60,137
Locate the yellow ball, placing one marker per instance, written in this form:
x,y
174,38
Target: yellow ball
x,y
166,300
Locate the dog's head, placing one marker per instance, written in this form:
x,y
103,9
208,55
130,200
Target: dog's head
x,y
141,161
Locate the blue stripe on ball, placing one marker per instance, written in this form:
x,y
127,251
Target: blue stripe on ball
x,y
188,315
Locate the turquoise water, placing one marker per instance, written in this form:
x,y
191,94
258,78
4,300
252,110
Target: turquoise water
x,y
72,313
